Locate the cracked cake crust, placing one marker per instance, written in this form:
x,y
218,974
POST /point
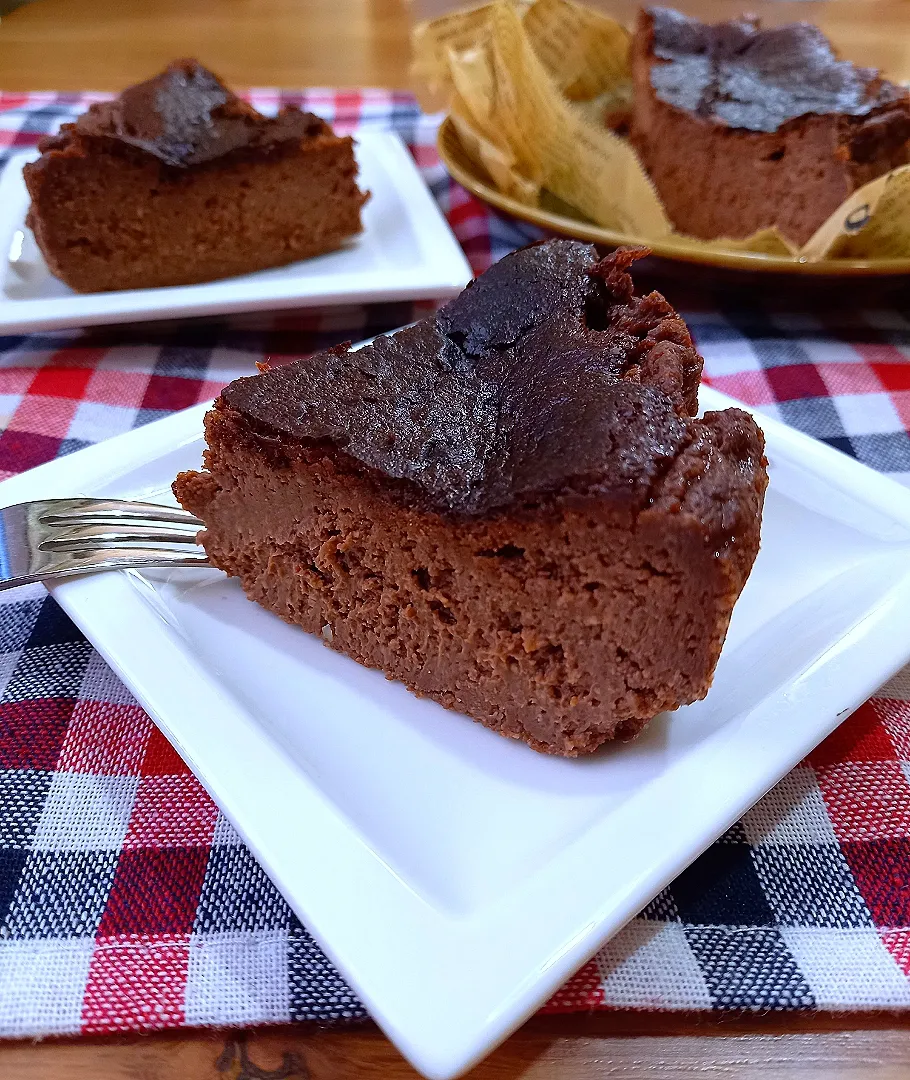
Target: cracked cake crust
x,y
508,507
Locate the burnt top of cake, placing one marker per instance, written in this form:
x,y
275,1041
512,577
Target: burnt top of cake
x,y
758,79
186,116
547,372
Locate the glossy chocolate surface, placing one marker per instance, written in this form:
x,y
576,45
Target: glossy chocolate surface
x,y
185,116
529,381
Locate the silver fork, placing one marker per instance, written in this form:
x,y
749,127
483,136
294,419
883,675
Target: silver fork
x,y
59,537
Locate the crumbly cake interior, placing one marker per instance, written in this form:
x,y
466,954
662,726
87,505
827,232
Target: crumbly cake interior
x,y
128,223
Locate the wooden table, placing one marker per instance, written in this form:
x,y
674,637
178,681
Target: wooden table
x,y
105,45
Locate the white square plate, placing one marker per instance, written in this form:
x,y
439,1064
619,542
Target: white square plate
x,y
457,878
405,252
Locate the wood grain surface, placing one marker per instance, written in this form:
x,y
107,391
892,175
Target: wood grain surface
x,y
616,1047
107,44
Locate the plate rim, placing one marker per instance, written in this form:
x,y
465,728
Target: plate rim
x,y
428,1041
441,272
748,261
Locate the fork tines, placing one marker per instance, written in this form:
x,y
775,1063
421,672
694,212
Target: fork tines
x,y
76,524
86,511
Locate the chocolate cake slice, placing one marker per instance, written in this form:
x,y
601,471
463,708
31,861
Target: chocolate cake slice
x,y
509,506
178,181
743,128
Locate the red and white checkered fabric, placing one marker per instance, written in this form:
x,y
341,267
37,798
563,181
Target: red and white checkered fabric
x,y
126,900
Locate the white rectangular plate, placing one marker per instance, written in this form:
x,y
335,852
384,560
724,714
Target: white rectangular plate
x,y
405,252
457,878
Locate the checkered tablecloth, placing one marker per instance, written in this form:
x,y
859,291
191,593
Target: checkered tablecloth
x,y
126,900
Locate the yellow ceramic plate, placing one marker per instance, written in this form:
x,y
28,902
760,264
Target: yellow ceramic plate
x,y
474,180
